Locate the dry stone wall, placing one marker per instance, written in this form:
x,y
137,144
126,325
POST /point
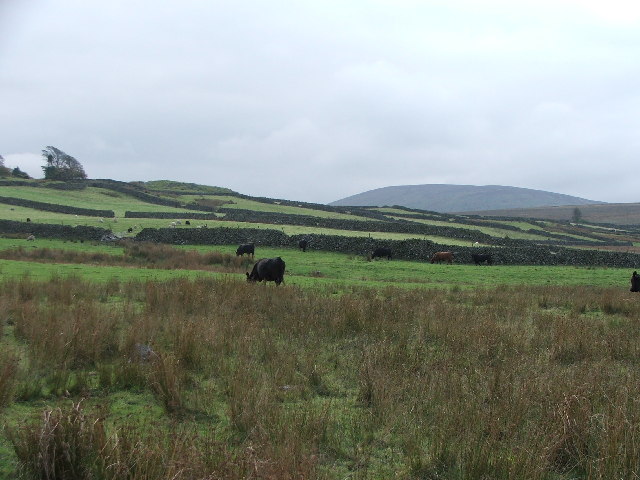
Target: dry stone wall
x,y
43,230
412,249
54,207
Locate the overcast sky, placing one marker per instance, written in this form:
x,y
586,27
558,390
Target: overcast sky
x,y
319,100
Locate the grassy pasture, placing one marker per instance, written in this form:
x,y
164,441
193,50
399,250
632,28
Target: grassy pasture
x,y
492,231
315,269
123,224
247,204
120,225
254,381
90,197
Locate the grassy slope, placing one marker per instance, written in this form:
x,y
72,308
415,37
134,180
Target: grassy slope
x,y
91,197
104,199
170,185
246,204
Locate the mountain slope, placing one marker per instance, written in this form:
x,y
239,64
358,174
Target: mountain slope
x,y
460,198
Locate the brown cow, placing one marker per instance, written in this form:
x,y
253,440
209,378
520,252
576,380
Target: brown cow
x,y
442,257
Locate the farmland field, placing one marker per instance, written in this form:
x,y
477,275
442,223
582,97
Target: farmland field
x,y
243,203
148,361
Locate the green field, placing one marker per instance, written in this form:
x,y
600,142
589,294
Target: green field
x,y
317,268
353,369
247,204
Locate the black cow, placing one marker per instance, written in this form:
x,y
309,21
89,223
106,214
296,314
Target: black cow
x,y
381,252
129,230
267,269
303,244
187,222
248,248
635,282
479,258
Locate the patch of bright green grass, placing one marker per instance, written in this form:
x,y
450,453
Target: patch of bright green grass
x,y
77,246
100,274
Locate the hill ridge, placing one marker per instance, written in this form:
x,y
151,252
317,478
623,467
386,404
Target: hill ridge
x,y
449,198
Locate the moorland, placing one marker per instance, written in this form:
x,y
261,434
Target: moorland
x,y
132,346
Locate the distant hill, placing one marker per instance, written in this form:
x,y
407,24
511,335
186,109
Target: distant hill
x,y
460,198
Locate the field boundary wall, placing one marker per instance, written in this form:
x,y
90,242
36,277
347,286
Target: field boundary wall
x,y
45,230
54,207
411,249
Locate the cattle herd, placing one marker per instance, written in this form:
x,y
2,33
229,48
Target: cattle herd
x,y
272,269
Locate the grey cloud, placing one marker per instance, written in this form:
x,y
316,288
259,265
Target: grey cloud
x,y
320,100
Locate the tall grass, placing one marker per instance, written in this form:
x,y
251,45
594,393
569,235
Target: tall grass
x,y
262,382
148,255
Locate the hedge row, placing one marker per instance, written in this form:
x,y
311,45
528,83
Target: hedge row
x,y
53,207
65,232
412,249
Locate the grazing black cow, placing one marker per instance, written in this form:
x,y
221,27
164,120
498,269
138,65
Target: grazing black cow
x,y
267,269
28,219
303,244
635,282
479,258
381,252
248,248
129,230
187,222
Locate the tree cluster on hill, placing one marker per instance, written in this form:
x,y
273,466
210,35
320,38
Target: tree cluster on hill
x,y
61,166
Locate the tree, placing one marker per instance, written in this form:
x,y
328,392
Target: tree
x,y
61,166
577,215
4,171
16,172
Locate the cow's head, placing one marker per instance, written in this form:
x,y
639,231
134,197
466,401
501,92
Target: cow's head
x,y
251,277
